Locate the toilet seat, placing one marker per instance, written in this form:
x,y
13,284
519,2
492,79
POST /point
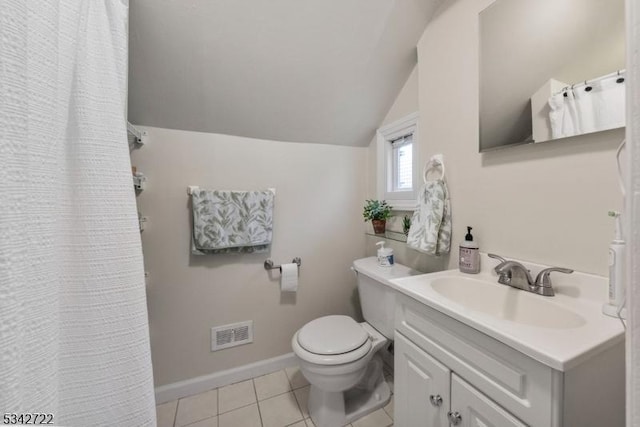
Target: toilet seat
x,y
330,359
331,335
332,340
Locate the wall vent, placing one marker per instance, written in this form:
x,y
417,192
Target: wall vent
x,y
226,336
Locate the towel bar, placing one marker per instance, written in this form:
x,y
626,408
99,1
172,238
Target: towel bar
x,y
268,264
192,188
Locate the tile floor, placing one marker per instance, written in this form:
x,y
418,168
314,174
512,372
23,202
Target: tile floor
x,y
278,399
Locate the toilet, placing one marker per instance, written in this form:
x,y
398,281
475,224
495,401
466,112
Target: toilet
x,y
338,356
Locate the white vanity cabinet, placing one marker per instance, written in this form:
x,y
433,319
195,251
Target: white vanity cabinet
x,y
422,386
418,375
447,373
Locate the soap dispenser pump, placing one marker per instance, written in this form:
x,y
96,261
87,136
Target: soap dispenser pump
x,y
469,256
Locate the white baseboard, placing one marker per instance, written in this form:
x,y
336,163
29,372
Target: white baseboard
x,y
177,390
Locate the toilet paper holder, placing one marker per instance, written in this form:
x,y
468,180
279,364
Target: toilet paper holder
x,y
269,265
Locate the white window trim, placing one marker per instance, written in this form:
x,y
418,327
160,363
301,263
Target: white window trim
x,y
399,200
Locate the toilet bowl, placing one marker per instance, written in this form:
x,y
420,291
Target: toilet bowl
x,y
338,356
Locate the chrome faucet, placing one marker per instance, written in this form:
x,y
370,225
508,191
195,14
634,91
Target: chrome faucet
x,y
514,274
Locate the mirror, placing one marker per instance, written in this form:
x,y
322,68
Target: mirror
x,y
535,56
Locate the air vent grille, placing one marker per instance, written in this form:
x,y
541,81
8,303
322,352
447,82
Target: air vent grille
x,y
226,336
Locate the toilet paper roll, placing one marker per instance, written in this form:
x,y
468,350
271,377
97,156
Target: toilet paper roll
x,y
289,277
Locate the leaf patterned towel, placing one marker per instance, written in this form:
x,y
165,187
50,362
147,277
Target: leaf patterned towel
x,y
430,230
231,221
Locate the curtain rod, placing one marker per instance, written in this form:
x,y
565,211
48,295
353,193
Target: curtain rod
x,y
619,73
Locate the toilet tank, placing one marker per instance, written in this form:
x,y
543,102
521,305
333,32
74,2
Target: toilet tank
x,y
377,295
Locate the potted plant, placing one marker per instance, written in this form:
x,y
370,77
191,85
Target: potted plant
x,y
377,211
406,224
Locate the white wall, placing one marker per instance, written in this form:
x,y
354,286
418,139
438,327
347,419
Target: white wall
x,y
405,103
320,191
547,202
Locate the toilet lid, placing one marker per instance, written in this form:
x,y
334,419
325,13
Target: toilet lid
x,y
332,335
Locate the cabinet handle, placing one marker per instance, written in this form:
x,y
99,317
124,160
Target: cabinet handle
x,y
454,417
435,400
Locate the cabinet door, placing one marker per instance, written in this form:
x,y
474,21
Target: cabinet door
x,y
422,386
475,409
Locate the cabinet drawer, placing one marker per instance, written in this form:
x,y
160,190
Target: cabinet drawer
x,y
476,409
520,384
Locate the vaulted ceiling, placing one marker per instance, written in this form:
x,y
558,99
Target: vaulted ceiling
x,y
322,71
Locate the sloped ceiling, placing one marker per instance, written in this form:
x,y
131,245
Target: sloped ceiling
x,y
322,71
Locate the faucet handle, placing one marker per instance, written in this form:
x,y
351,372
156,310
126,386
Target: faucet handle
x,y
504,276
498,257
543,278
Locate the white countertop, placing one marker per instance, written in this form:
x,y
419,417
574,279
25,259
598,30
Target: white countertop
x,y
559,348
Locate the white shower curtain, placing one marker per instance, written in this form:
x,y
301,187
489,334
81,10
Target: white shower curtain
x,y
74,338
577,111
632,211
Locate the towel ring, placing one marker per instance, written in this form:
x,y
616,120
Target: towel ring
x,y
434,162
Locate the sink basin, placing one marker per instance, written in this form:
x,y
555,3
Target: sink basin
x,y
559,331
506,303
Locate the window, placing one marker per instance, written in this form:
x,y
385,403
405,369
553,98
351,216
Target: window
x,y
397,163
402,166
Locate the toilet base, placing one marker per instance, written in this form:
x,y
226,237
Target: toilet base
x,y
359,403
333,409
339,409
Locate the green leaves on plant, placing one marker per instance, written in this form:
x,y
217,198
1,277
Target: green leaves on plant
x,y
376,209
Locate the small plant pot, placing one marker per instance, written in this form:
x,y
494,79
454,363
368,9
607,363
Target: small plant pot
x,y
379,225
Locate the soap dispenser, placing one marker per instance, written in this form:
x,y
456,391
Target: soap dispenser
x,y
385,255
469,256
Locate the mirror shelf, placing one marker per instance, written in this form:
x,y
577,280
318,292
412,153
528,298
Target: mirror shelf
x,y
397,236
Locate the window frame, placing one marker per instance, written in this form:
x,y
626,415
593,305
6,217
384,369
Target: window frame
x,y
399,200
